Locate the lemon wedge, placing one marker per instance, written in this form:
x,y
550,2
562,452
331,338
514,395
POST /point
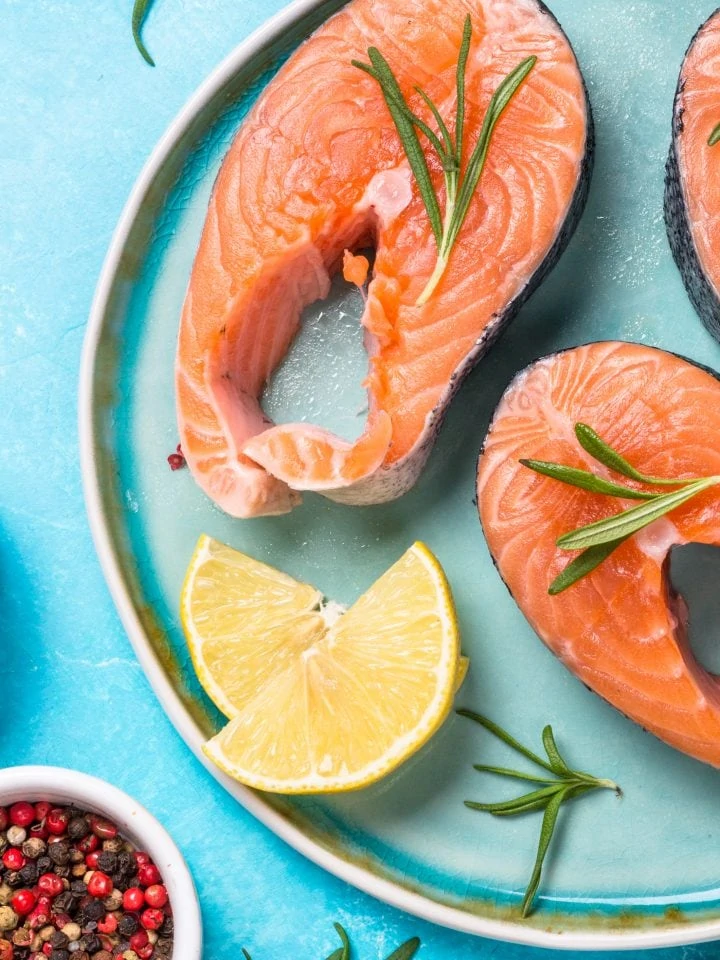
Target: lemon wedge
x,y
320,700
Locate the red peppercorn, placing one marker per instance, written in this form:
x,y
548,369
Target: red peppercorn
x,y
39,831
145,952
42,809
103,828
92,860
51,884
40,917
139,940
23,902
148,874
108,924
141,858
133,899
88,844
6,950
13,858
45,949
56,821
152,919
22,814
100,885
61,920
156,895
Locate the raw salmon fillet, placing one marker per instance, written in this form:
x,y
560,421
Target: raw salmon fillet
x,y
316,169
692,184
621,629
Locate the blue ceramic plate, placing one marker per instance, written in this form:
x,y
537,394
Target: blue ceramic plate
x,y
638,871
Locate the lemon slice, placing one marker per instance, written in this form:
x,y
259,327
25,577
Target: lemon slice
x,y
320,700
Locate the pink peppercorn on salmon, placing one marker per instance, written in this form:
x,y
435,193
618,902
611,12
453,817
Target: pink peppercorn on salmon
x,y
622,629
318,169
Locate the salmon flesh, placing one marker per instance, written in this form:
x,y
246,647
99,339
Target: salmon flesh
x,y
622,629
318,169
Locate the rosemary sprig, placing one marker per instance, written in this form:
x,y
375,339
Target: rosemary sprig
x,y
565,784
405,951
598,540
714,136
140,11
460,186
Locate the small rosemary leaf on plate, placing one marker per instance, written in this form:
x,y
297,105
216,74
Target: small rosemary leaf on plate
x,y
585,480
406,950
546,833
246,954
582,565
556,761
505,737
449,149
714,136
140,11
535,800
630,521
601,451
515,774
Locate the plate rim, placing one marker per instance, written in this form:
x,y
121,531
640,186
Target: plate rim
x,y
414,903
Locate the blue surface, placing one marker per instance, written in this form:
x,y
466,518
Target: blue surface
x,y
80,112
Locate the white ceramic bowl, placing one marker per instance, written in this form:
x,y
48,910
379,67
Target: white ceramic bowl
x,y
62,786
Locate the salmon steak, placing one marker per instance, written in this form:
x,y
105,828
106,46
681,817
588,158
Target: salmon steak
x,y
692,182
318,172
622,629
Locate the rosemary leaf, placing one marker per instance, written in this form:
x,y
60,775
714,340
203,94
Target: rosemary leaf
x,y
535,800
500,100
556,761
246,954
505,772
582,565
140,11
624,524
546,833
714,136
505,737
585,480
406,131
461,71
344,952
406,951
449,149
609,457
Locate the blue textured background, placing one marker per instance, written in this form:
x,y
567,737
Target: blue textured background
x,y
79,113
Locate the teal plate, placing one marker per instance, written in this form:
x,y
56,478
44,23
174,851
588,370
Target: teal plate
x,y
638,871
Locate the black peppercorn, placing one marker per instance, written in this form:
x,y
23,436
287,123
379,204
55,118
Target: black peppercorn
x,y
95,910
125,863
78,828
29,873
127,925
44,864
13,879
79,887
107,862
60,955
59,853
93,943
59,939
167,929
65,902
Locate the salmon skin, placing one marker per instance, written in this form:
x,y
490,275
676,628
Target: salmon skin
x,y
622,629
318,169
692,181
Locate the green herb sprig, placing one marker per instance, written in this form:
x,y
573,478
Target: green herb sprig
x,y
598,540
406,951
140,11
552,792
460,185
714,136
